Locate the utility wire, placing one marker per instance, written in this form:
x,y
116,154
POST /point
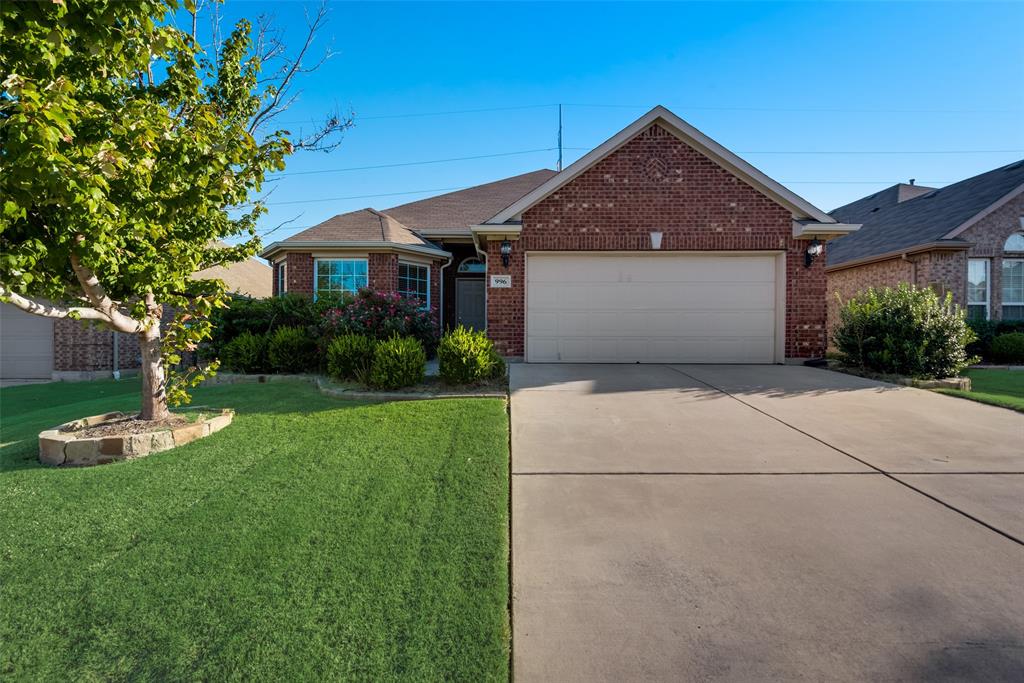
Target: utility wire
x,y
359,196
415,163
680,107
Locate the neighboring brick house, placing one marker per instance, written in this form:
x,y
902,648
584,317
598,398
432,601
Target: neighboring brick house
x,y
966,238
658,246
32,347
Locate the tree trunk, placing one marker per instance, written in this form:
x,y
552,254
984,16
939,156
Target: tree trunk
x,y
154,394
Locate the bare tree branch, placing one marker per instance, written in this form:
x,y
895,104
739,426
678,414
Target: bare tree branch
x,y
273,107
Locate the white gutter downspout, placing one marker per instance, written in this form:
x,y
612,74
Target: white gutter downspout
x,y
117,356
440,322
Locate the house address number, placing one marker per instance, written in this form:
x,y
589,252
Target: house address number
x,y
501,281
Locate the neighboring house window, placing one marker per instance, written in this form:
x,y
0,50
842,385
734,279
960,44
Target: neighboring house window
x,y
414,282
340,276
977,289
472,265
1015,242
282,280
1013,289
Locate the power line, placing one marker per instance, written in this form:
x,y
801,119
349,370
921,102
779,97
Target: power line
x,y
814,110
415,163
861,151
362,196
680,107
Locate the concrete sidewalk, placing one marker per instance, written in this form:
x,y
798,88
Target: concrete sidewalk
x,y
740,523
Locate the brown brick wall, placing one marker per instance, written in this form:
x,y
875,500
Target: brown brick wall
x,y
299,273
656,182
383,272
944,271
989,235
78,348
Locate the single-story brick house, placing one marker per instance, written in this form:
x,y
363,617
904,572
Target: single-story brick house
x,y
966,238
37,348
659,245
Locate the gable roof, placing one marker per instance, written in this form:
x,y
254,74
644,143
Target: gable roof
x,y
364,225
457,211
937,215
801,208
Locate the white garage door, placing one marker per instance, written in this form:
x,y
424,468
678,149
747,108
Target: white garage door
x,y
653,309
26,345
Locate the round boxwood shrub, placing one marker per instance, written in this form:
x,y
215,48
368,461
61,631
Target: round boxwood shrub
x,y
245,353
291,350
1008,348
397,362
903,331
466,356
350,356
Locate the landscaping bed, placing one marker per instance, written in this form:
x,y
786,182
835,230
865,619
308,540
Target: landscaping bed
x,y
955,383
315,539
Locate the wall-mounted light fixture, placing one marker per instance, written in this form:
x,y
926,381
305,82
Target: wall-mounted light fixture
x,y
506,252
814,250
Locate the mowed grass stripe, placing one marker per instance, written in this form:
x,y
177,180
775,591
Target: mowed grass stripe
x,y
311,539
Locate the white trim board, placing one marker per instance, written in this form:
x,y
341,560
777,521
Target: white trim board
x,y
800,207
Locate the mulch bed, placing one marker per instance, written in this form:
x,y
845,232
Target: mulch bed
x,y
131,424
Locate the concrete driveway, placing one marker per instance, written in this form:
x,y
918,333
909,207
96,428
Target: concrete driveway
x,y
761,523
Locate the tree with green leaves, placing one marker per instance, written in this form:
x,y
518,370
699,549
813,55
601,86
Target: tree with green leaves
x,y
129,154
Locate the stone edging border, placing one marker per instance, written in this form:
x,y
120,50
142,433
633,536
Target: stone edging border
x,y
59,448
324,387
959,383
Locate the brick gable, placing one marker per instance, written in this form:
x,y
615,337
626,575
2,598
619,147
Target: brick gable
x,y
656,182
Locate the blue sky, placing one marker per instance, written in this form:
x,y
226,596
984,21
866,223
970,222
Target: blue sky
x,y
766,80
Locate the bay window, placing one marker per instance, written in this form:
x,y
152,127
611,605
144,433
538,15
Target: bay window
x,y
340,276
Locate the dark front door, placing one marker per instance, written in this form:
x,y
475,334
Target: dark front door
x,y
470,306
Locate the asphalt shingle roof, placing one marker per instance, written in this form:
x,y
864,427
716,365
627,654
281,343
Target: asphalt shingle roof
x,y
889,225
457,211
364,225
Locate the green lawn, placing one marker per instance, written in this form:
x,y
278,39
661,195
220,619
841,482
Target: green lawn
x,y
312,539
1004,388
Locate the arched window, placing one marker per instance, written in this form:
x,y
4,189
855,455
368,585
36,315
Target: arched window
x,y
1014,242
472,265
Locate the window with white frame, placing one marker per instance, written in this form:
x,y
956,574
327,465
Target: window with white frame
x,y
340,276
977,289
414,282
1013,289
282,280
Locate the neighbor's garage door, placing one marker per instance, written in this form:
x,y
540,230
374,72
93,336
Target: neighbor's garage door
x,y
658,309
26,345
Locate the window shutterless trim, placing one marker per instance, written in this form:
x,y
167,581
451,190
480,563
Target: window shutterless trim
x,y
413,264
316,274
1004,303
988,286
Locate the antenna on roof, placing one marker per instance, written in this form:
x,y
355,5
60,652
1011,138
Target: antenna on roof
x,y
559,167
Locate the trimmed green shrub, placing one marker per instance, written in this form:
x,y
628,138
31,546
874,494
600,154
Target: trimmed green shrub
x,y
1008,348
245,353
263,316
291,350
986,331
466,356
397,362
904,331
350,356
